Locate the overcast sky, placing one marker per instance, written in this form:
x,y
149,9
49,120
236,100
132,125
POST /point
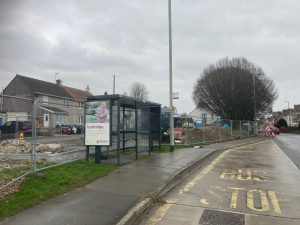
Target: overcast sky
x,y
87,42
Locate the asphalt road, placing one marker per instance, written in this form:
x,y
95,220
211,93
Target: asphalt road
x,y
253,185
290,144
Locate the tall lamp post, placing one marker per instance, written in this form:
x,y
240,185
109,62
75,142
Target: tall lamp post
x,y
254,99
171,117
289,113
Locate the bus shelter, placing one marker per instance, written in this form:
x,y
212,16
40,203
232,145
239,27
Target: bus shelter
x,y
121,126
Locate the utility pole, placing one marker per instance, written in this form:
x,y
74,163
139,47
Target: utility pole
x,y
254,97
171,116
254,116
254,101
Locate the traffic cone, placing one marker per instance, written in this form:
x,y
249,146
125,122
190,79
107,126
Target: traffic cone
x,y
21,136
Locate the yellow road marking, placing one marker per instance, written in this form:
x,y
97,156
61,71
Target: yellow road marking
x,y
228,174
274,202
162,211
234,197
204,201
238,174
240,177
203,173
263,199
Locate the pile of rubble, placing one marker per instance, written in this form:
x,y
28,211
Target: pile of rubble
x,y
15,146
50,148
5,177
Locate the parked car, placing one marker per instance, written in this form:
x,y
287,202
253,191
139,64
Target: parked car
x,y
11,128
70,129
63,129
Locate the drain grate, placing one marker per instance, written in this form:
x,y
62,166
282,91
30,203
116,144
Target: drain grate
x,y
213,217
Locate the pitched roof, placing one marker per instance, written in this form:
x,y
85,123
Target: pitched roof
x,y
77,94
40,86
48,88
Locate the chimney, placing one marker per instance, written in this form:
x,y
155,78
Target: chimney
x,y
88,88
59,82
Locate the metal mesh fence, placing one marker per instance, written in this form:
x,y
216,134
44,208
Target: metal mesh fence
x,y
202,130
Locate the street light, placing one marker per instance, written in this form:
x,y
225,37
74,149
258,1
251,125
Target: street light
x,y
171,80
254,98
289,118
254,93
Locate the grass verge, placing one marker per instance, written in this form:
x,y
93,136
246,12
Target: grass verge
x,y
57,180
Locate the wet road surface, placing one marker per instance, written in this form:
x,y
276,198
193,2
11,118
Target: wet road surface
x,y
290,144
253,185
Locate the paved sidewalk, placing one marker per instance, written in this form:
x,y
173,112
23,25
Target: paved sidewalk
x,y
106,201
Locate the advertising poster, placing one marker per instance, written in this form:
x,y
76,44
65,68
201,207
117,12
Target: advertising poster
x,y
97,123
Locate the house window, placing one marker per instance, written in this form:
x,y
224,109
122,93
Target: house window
x,y
81,104
60,119
66,103
45,100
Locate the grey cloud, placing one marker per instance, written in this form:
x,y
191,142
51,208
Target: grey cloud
x,y
89,41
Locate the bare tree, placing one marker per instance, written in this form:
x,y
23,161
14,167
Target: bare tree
x,y
139,91
227,89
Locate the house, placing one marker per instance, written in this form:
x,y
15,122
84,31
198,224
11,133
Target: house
x,y
294,116
203,116
57,104
165,111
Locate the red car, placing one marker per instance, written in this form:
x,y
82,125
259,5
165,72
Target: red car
x,y
64,129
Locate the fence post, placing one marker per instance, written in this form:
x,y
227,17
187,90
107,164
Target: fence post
x,y
87,155
33,137
118,131
186,130
17,128
203,134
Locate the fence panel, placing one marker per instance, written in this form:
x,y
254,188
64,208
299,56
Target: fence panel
x,y
202,130
15,142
